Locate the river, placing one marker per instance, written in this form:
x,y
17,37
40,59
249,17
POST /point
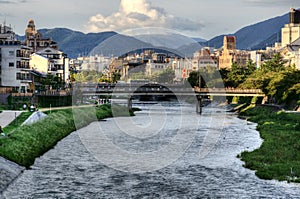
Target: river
x,y
165,151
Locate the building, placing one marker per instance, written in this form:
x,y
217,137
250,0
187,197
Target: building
x,y
157,64
51,61
290,32
291,53
46,58
203,58
181,67
95,63
14,63
290,39
35,40
230,55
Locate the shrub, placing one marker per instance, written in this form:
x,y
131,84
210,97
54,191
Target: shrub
x,y
30,141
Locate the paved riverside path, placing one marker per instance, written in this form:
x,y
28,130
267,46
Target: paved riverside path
x,y
6,117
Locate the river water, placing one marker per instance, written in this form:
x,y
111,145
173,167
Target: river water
x,y
165,151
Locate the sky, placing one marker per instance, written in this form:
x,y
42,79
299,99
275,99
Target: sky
x,y
194,18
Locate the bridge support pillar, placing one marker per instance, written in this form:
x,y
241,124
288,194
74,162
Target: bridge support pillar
x,y
129,103
199,105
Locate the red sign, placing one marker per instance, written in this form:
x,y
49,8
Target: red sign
x,y
184,73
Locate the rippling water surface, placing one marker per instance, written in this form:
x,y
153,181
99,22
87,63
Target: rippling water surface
x,y
206,167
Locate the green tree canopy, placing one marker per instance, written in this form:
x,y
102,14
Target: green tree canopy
x,y
275,64
88,76
166,76
277,81
238,74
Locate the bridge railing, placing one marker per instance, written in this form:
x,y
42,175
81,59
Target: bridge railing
x,y
156,88
227,90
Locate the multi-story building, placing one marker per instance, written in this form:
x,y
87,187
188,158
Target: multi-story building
x,y
95,62
204,58
46,59
230,54
291,53
157,64
290,32
290,39
14,63
51,61
35,40
182,68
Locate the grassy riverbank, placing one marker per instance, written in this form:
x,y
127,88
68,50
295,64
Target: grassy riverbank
x,y
279,155
31,141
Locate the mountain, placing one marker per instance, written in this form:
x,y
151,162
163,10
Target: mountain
x,y
254,36
75,43
199,39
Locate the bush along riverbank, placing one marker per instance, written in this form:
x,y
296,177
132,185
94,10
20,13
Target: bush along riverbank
x,y
31,141
279,155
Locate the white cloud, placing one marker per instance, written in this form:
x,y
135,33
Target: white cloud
x,y
139,14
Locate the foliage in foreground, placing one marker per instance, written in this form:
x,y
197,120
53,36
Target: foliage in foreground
x,y
17,122
279,155
30,141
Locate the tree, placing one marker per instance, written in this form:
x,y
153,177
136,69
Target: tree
x,y
138,75
277,81
238,74
88,76
52,81
275,64
115,77
194,78
166,76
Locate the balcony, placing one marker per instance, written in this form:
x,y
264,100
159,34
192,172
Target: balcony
x,y
23,65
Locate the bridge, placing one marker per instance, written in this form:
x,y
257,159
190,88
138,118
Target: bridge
x,y
163,89
130,90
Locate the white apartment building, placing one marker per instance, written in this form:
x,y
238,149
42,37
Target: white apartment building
x,y
153,67
14,63
95,62
157,63
51,61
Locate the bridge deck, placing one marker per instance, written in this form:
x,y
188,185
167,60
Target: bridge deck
x,y
170,90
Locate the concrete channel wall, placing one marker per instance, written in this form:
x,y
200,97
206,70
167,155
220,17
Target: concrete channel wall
x,y
9,171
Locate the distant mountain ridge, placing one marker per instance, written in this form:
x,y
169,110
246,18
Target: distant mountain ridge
x,y
256,36
252,37
75,43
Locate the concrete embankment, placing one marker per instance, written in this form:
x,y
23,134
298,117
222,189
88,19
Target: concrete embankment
x,y
9,171
35,117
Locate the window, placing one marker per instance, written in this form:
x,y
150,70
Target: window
x,y
18,76
11,64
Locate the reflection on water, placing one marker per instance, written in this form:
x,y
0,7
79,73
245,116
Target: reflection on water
x,y
70,171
